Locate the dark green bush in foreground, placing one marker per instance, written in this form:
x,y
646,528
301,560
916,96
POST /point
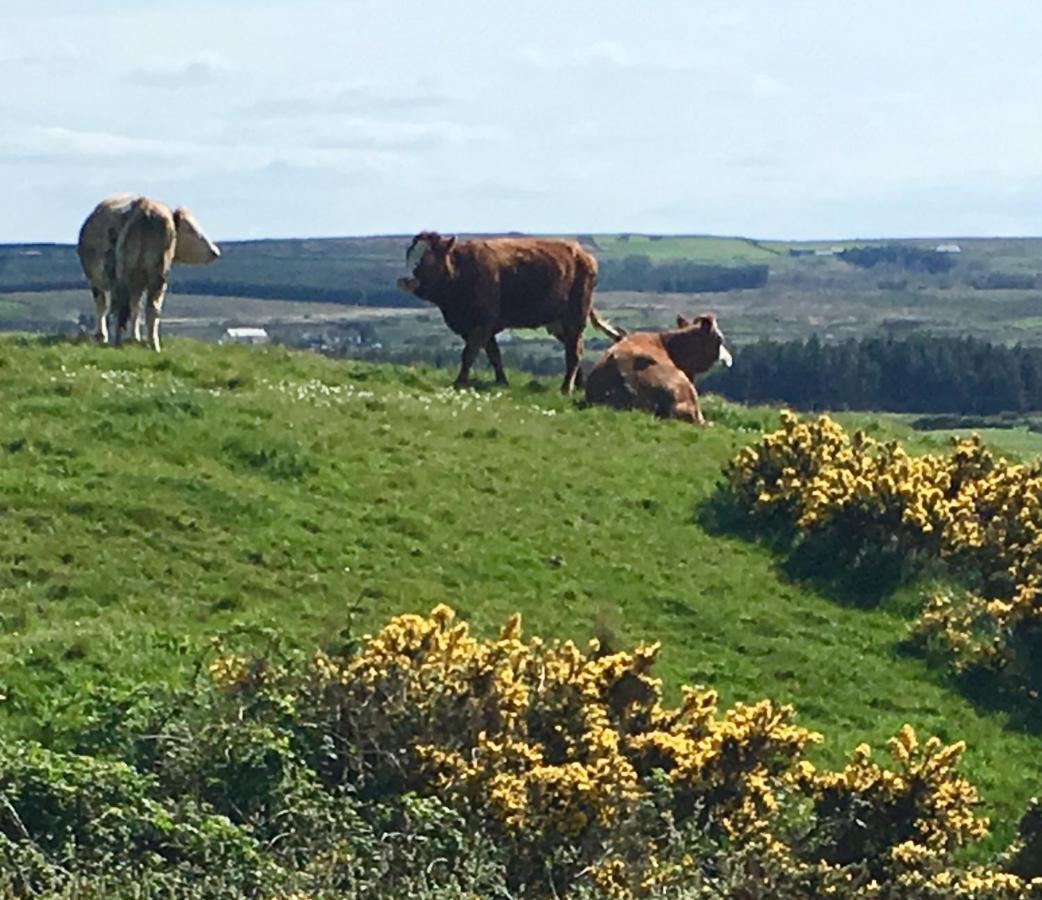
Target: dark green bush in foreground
x,y
276,775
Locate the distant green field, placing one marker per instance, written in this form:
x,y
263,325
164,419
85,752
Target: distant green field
x,y
1017,442
12,308
149,502
716,250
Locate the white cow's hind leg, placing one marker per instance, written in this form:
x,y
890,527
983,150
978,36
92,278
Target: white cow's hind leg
x,y
101,314
132,304
135,315
155,306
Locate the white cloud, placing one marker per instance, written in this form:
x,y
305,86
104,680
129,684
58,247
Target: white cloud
x,y
610,54
362,96
197,70
764,85
59,144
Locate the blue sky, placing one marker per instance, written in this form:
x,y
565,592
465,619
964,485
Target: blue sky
x,y
781,118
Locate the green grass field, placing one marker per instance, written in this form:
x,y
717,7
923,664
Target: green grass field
x,y
12,309
1019,443
704,249
150,502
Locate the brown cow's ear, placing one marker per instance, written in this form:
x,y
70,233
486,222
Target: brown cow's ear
x,y
705,323
449,244
682,322
178,215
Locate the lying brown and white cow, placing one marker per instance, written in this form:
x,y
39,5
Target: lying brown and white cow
x,y
655,370
484,286
126,246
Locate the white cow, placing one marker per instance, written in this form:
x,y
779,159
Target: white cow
x,y
126,246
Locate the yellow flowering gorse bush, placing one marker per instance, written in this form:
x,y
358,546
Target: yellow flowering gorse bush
x,y
569,754
978,512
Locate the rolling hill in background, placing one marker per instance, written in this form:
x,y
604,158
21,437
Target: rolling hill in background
x,y
760,289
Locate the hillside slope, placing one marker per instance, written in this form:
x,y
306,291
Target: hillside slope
x,y
150,502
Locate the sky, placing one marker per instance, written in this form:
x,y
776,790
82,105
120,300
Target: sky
x,y
787,119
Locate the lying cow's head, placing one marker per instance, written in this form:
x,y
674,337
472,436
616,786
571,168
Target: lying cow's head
x,y
429,261
192,245
697,344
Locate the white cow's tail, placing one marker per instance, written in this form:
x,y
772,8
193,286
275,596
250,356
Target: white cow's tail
x,y
613,331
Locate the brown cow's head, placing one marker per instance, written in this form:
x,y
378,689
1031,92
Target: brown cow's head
x,y
429,261
695,345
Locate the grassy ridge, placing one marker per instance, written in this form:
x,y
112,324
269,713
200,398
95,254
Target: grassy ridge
x,y
148,502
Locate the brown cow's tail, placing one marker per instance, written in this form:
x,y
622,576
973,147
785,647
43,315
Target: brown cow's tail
x,y
588,274
613,331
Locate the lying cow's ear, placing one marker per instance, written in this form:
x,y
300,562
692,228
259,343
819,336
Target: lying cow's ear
x,y
682,322
178,215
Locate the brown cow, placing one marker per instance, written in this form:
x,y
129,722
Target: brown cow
x,y
655,370
484,286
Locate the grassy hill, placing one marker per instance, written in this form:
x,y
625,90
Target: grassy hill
x,y
148,503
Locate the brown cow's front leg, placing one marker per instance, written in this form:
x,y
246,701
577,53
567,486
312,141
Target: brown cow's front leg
x,y
496,359
475,341
573,351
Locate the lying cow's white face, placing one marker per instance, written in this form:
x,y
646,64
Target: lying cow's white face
x,y
702,347
723,354
193,246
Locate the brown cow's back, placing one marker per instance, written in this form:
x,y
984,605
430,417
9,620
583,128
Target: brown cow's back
x,y
537,278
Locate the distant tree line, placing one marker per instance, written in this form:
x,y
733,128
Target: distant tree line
x,y
902,255
1005,281
639,273
966,375
30,285
348,296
